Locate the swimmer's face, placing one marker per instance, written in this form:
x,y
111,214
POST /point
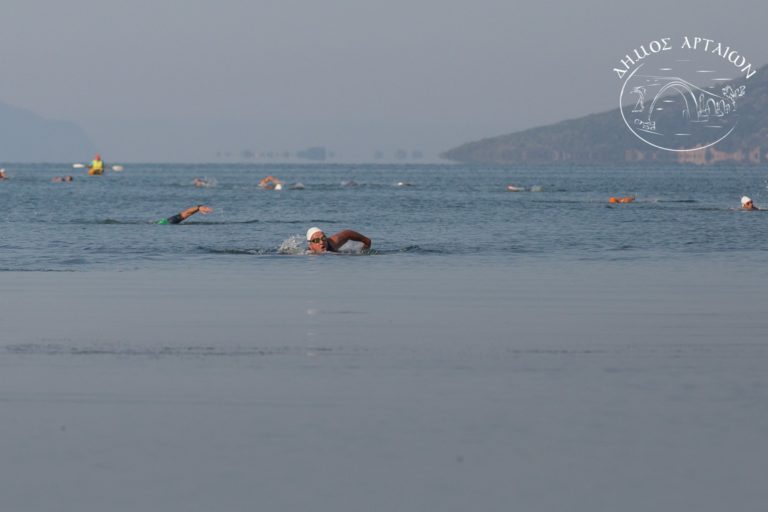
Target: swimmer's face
x,y
748,205
319,242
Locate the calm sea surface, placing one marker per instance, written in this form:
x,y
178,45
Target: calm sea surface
x,y
497,351
447,212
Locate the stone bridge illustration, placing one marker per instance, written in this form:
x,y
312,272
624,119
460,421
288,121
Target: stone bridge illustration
x,y
698,105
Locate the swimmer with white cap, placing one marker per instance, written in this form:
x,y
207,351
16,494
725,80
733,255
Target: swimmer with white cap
x,y
747,204
319,243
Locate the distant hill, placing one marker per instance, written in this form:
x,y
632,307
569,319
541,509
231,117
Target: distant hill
x,y
28,137
604,139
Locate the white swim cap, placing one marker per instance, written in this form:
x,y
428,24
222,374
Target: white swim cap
x,y
312,231
279,186
745,200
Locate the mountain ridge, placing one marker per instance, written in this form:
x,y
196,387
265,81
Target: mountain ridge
x,y
26,136
603,139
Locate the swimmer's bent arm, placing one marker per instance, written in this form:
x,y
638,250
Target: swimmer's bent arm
x,y
343,237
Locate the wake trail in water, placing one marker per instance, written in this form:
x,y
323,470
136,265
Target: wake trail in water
x,y
108,349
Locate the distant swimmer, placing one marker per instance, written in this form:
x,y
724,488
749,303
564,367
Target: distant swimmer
x,y
349,184
627,199
319,243
3,176
515,188
97,166
271,183
61,179
181,217
747,204
200,182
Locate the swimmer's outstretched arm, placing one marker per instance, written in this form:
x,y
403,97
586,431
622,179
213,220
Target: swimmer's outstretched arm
x,y
181,217
191,211
342,237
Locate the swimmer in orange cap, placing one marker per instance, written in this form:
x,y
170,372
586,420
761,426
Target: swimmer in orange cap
x,y
271,183
627,199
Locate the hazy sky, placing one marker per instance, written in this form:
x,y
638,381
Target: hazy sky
x,y
160,80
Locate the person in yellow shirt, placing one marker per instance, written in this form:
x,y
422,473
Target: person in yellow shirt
x,y
97,166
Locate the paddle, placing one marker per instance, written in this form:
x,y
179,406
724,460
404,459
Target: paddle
x,y
116,168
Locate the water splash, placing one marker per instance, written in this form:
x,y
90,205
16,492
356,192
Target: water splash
x,y
352,247
292,245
